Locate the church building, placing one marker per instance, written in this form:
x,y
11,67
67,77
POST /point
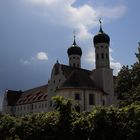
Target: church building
x,y
86,88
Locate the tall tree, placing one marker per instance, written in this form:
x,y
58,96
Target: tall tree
x,y
136,70
128,82
123,82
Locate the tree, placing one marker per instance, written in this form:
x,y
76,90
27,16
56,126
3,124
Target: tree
x,y
123,82
128,82
64,107
136,70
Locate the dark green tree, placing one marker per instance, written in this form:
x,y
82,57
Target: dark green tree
x,y
64,107
136,70
127,84
123,82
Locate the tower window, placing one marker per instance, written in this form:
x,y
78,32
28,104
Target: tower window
x,y
73,64
73,57
106,56
91,99
101,46
102,55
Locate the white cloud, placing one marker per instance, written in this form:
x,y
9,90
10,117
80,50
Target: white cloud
x,y
39,56
90,57
116,66
114,13
42,56
82,18
25,62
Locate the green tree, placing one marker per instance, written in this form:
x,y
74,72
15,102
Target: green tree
x,y
64,107
8,127
128,82
123,82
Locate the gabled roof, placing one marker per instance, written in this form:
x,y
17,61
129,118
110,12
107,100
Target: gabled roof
x,y
67,70
33,95
79,79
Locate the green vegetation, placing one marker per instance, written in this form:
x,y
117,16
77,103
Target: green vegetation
x,y
102,123
128,83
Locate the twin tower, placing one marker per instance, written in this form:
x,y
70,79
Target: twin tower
x,y
102,75
101,43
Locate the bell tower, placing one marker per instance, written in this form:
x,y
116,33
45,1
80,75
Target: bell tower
x,y
103,74
101,43
74,54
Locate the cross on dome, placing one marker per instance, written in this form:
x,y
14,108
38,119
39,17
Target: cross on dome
x,y
74,36
100,21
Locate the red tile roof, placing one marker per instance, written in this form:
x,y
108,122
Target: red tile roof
x,y
33,95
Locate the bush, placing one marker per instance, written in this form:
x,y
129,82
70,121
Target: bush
x,y
102,123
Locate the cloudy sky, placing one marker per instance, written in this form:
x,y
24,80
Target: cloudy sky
x,y
35,33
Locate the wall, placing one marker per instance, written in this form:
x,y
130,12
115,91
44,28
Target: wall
x,y
84,97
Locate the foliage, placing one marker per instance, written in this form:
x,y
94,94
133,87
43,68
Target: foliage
x,y
65,118
123,82
102,123
127,84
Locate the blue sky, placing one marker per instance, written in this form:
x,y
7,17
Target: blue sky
x,y
35,33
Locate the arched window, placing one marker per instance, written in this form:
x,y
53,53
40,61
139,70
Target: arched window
x,y
91,99
77,96
102,55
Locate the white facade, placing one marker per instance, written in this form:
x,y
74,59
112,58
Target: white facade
x,y
37,107
102,55
57,78
75,61
85,98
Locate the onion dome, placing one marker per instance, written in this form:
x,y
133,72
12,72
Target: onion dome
x,y
74,49
101,37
